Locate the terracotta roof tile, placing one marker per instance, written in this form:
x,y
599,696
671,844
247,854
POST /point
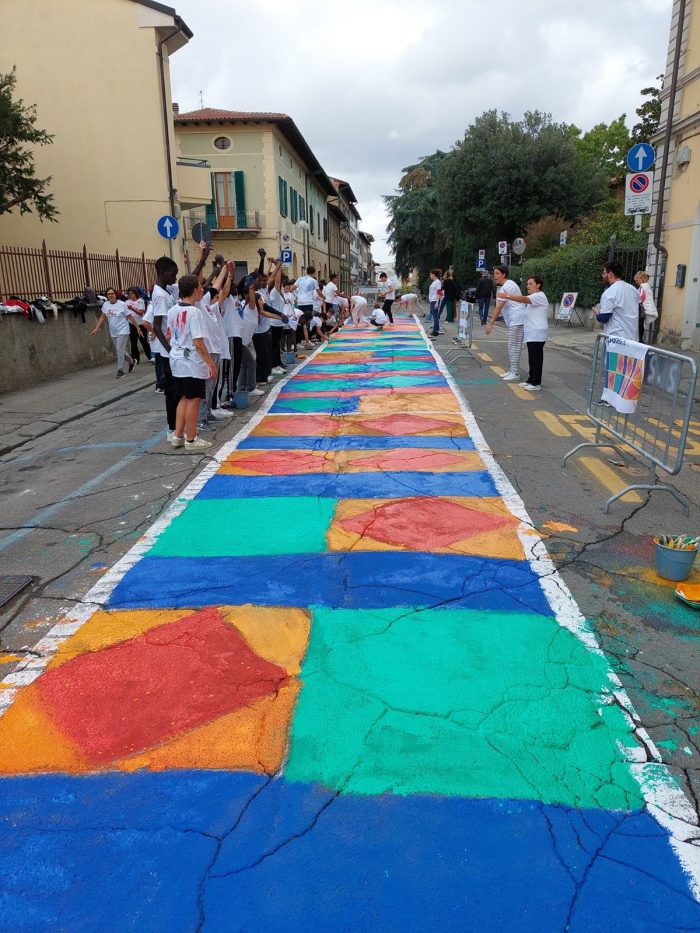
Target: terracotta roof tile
x,y
212,113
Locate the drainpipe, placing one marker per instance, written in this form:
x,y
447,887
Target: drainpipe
x,y
166,127
660,276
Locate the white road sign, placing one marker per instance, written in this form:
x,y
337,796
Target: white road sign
x,y
519,246
639,188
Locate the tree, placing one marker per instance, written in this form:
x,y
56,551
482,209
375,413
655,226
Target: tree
x,y
649,113
413,225
542,236
19,187
606,145
503,175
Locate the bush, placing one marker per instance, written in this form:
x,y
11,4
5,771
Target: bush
x,y
572,269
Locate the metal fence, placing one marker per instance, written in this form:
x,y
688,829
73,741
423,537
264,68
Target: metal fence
x,y
657,429
463,340
30,273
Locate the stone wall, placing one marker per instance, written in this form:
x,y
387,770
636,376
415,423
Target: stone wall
x,y
32,352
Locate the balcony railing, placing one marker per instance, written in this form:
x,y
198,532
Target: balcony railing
x,y
223,221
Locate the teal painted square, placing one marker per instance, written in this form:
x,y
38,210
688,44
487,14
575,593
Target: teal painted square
x,y
248,527
459,703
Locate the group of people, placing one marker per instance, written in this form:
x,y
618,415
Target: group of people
x,y
211,338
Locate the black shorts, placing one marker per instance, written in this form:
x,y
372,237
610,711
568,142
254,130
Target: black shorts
x,y
190,387
307,311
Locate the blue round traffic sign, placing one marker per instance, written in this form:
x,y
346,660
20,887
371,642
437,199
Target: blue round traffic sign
x,y
641,157
567,300
639,183
168,227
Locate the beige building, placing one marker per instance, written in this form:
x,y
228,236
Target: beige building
x,y
677,274
267,187
99,74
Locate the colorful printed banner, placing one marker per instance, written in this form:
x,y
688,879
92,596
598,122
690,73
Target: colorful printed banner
x,y
624,373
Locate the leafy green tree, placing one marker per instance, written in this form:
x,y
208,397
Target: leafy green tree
x,y
606,146
649,113
20,189
542,236
413,228
503,175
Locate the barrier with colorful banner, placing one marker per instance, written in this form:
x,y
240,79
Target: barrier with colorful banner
x,y
643,397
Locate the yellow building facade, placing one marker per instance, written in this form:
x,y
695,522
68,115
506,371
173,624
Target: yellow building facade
x,y
679,324
99,74
268,190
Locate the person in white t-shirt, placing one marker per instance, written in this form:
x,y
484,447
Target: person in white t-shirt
x,y
358,306
290,328
619,305
343,308
407,302
308,290
378,317
514,317
331,294
387,292
191,363
137,306
434,296
647,306
536,327
118,317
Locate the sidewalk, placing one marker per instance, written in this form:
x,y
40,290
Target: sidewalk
x,y
37,410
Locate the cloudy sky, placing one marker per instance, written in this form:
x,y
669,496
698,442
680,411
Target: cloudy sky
x,y
375,84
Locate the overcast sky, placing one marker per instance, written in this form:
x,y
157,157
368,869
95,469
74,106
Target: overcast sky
x,y
375,84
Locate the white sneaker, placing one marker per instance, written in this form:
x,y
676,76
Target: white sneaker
x,y
523,384
256,392
197,444
510,377
278,370
177,441
170,435
269,380
220,415
530,388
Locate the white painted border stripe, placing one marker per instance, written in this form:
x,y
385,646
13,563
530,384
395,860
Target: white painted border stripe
x,y
666,802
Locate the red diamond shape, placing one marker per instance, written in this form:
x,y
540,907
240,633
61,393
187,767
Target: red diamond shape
x,y
138,693
396,425
422,524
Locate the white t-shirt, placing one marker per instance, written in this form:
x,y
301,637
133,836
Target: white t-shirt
x,y
409,297
276,301
289,311
306,290
210,325
360,302
329,293
513,313
435,287
378,316
161,302
315,321
231,317
622,300
185,324
152,339
536,317
223,335
248,324
391,293
117,315
137,307
264,323
342,302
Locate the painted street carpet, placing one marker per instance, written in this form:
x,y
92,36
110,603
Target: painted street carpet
x,y
338,686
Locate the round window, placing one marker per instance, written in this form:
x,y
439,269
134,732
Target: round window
x,y
222,142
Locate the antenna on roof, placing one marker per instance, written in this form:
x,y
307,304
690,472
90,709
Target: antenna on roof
x,y
201,100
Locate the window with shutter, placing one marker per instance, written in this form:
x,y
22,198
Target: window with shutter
x,y
295,205
311,220
282,187
302,208
239,187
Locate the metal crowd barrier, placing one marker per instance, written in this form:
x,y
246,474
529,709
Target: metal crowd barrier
x,y
465,329
658,428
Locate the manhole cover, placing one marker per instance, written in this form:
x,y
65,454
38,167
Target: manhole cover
x,y
11,585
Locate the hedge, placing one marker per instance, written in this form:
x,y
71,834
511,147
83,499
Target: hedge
x,y
571,269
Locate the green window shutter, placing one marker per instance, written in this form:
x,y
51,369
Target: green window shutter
x,y
295,206
302,208
281,187
239,185
286,199
210,211
325,230
311,220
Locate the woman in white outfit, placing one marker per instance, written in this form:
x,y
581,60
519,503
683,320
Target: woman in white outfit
x,y
647,306
118,317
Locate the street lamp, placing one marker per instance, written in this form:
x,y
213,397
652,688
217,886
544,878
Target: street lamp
x,y
303,225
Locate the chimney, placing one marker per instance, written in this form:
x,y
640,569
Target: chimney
x,y
176,108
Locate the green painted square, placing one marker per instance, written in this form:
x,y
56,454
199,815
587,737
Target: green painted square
x,y
462,703
248,527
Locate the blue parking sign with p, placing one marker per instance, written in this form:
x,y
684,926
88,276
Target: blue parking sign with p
x,y
481,265
286,255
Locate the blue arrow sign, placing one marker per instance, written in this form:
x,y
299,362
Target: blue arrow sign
x,y
640,158
168,227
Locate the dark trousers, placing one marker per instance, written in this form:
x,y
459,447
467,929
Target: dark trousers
x,y
134,338
172,393
388,302
484,305
160,371
261,342
535,356
275,343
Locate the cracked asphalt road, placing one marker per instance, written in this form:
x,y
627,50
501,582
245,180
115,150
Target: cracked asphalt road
x,y
345,687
